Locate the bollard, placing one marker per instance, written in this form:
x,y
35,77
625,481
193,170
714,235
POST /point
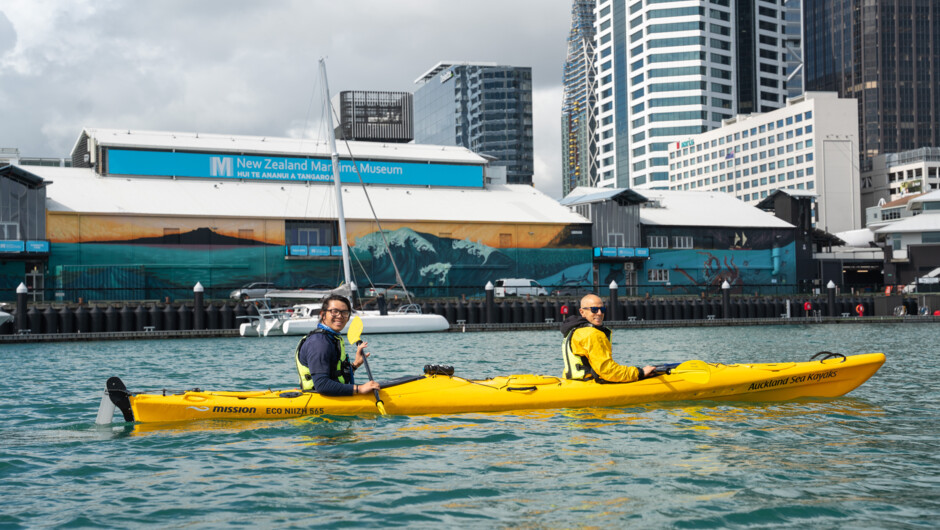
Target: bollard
x,y
82,320
490,304
239,312
725,299
156,317
212,317
473,313
112,320
185,318
382,303
831,292
503,313
127,318
169,318
461,312
140,318
538,311
227,317
613,305
66,320
34,319
21,323
96,315
450,312
199,307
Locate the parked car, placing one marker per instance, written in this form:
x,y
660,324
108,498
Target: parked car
x,y
573,288
518,287
390,291
252,290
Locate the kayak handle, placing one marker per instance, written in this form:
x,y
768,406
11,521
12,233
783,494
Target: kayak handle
x,y
828,355
522,388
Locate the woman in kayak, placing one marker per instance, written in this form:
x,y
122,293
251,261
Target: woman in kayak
x,y
321,355
587,350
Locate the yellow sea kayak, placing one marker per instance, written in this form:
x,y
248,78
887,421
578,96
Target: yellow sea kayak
x,y
446,394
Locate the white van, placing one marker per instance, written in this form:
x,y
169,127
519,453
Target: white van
x,y
518,287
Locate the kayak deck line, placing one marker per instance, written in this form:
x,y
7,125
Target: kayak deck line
x,y
439,393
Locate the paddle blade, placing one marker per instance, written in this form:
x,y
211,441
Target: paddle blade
x,y
381,407
694,372
355,330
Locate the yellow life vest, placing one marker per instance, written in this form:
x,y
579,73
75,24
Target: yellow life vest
x,y
576,366
338,373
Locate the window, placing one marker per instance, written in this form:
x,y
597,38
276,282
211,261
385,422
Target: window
x,y
658,241
657,275
9,231
682,242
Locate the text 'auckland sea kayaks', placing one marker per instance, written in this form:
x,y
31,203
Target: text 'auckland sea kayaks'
x,y
440,392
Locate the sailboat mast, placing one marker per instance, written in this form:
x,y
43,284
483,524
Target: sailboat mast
x,y
334,156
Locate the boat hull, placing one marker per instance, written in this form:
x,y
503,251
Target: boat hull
x,y
441,394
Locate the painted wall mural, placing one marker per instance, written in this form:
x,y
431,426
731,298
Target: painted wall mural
x,y
108,257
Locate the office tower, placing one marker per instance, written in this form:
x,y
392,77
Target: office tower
x,y
793,42
484,107
886,54
375,116
669,70
577,110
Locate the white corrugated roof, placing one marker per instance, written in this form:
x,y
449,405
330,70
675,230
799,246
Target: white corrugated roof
x,y
925,222
82,190
704,208
933,196
230,143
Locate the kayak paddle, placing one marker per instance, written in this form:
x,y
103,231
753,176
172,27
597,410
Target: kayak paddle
x,y
355,332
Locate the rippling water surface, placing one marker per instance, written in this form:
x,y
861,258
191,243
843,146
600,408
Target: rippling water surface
x,y
865,460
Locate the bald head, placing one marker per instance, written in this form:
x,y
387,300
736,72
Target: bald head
x,y
591,300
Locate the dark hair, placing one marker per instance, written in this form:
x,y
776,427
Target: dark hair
x,y
339,298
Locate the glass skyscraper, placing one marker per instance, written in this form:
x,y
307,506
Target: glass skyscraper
x,y
577,111
886,54
484,107
667,71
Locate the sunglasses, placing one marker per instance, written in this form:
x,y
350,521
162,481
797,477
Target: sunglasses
x,y
602,309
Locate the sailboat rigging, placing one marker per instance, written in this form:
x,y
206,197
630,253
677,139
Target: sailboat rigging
x,y
303,318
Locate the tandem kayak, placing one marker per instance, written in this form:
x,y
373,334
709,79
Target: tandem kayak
x,y
439,392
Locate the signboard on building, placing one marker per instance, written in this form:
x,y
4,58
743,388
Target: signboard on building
x,y
245,167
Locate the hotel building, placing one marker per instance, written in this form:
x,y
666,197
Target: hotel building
x,y
811,144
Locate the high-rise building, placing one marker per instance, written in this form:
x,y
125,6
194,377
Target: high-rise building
x,y
885,54
793,42
373,116
484,107
667,71
577,110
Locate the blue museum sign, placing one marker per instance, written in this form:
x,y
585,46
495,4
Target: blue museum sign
x,y
209,165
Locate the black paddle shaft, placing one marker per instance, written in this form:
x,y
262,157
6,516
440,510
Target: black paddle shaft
x,y
365,361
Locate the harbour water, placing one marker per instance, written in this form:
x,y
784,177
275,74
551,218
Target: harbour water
x,y
867,460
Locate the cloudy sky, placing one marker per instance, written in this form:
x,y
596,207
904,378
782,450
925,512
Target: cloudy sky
x,y
250,67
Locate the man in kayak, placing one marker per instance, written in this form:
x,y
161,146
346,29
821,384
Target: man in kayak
x,y
587,350
321,355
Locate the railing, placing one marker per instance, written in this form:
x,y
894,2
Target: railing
x,y
567,291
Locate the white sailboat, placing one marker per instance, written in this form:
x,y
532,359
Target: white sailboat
x,y
303,318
